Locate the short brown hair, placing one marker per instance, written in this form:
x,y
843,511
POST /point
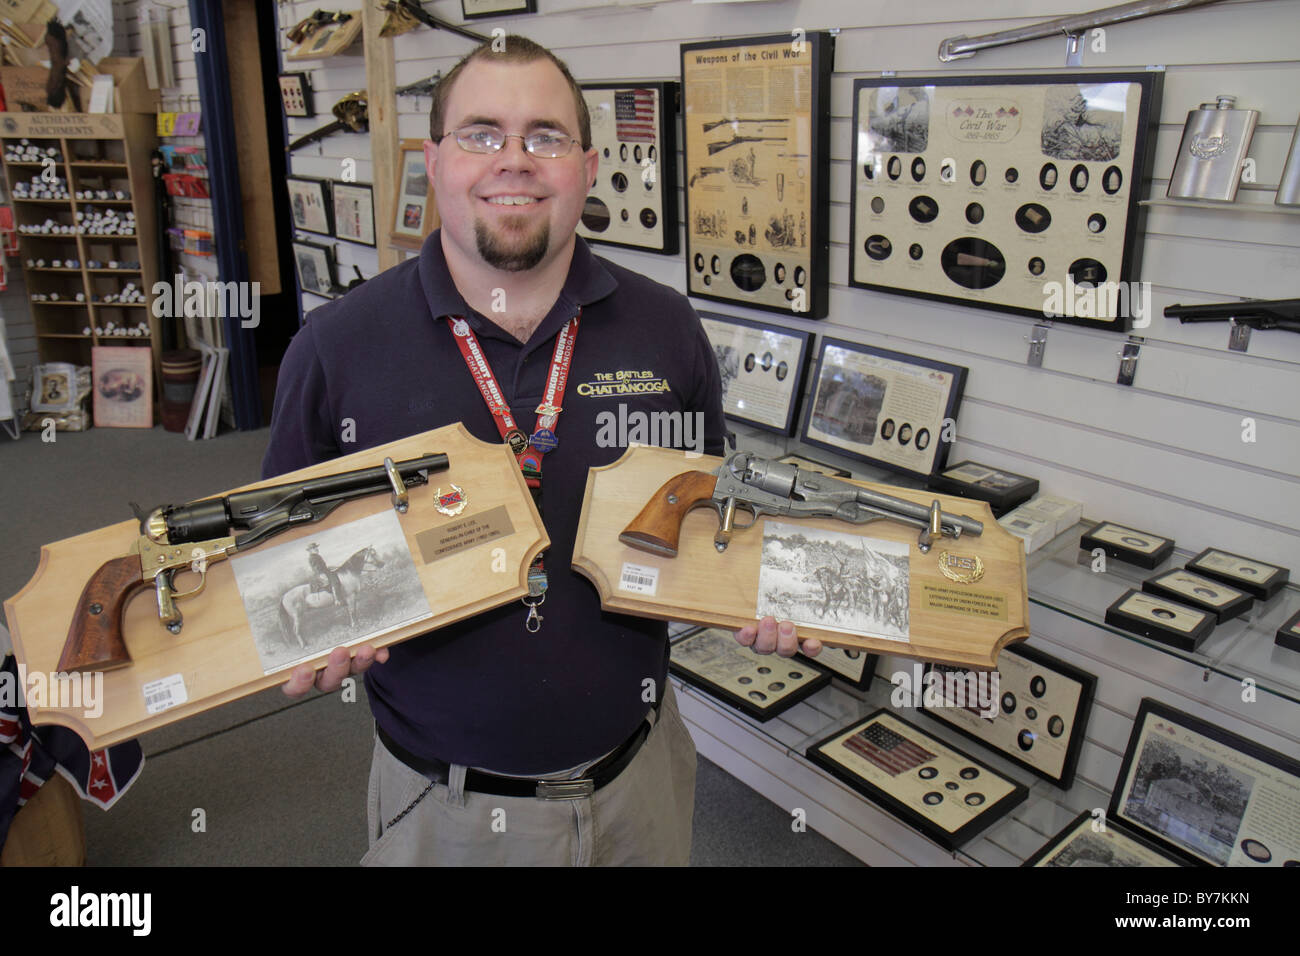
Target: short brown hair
x,y
518,49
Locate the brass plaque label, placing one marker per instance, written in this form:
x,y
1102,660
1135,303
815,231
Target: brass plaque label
x,y
446,540
973,602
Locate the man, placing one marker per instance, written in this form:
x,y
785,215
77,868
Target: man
x,y
478,721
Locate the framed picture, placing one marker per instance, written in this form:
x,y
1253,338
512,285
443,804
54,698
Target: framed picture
x,y
760,685
762,370
54,387
756,116
634,200
354,212
296,94
1013,193
414,215
1086,841
948,795
310,205
1142,548
315,264
123,386
1039,715
475,9
894,410
1205,795
855,667
1288,635
1206,594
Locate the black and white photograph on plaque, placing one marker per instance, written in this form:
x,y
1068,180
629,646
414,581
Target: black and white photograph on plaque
x,y
848,408
311,210
829,579
339,587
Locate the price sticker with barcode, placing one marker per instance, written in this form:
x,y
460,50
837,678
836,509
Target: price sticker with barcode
x,y
165,693
639,579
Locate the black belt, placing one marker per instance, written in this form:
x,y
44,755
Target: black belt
x,y
479,782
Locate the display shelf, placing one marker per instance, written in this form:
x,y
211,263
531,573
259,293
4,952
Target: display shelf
x,y
779,745
1248,207
1061,579
113,151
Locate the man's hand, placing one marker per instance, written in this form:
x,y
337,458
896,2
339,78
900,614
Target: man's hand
x,y
339,666
766,636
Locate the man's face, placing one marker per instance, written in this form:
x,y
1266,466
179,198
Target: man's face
x,y
510,210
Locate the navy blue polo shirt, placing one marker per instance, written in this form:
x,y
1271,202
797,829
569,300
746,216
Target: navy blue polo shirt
x,y
485,692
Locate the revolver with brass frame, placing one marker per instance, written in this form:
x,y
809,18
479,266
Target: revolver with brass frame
x,y
189,537
764,487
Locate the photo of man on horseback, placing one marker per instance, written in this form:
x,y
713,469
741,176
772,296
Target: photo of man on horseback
x,y
323,579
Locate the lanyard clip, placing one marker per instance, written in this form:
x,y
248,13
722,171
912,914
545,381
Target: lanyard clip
x,y
533,623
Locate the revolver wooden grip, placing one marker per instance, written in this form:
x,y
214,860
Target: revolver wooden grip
x,y
95,638
658,526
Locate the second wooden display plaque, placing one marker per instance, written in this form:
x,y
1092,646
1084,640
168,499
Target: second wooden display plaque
x,y
858,586
402,574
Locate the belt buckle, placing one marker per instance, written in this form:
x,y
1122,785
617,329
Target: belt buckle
x,y
565,789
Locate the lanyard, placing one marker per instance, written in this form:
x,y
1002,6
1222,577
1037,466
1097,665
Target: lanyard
x,y
528,450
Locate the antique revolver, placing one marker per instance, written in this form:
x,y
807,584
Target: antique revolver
x,y
176,538
762,486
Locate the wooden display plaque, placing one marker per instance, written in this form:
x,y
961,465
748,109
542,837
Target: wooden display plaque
x,y
946,621
216,658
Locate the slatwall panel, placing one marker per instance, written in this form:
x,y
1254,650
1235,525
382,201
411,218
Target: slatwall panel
x,y
1165,455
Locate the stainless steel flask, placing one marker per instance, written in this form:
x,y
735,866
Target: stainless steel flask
x,y
1212,152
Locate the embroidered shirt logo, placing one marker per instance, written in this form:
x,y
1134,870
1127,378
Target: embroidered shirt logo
x,y
460,328
623,382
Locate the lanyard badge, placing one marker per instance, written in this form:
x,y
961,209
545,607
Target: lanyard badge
x,y
528,450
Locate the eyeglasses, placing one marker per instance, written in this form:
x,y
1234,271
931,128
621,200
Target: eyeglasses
x,y
543,143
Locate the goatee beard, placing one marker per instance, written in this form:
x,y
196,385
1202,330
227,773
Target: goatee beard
x,y
525,256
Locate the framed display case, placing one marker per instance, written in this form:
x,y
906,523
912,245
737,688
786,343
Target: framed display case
x,y
946,794
756,116
760,685
296,94
1014,193
1039,717
1205,795
1087,841
762,370
634,200
894,410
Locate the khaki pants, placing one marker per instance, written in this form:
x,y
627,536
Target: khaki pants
x,y
641,818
